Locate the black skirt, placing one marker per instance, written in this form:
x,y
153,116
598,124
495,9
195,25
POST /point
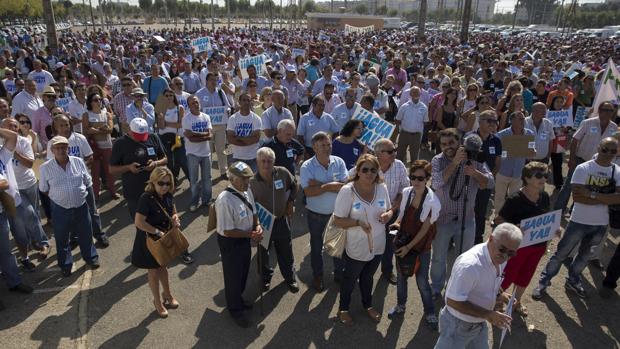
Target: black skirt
x,y
141,257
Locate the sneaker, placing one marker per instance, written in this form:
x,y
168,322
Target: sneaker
x,y
187,258
94,265
538,292
193,208
576,288
21,288
293,287
397,311
606,292
432,321
27,265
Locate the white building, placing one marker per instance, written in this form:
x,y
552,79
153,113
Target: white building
x,y
484,8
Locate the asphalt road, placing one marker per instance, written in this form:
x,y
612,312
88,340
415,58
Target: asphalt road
x,y
111,307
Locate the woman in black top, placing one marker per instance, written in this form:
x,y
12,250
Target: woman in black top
x,y
447,115
151,222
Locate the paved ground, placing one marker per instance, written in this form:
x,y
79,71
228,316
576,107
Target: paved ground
x,y
111,307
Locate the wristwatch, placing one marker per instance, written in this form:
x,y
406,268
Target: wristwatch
x,y
593,195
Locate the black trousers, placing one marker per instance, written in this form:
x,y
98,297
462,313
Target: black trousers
x,y
613,270
482,203
282,242
556,162
236,255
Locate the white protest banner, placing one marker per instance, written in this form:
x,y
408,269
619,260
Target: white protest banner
x,y
217,114
295,52
610,87
540,228
511,302
348,29
323,36
560,118
259,62
202,44
158,38
375,127
266,219
580,114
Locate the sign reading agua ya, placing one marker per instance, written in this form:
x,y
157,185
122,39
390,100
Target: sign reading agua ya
x,y
202,44
217,114
295,52
540,228
348,29
259,62
560,118
375,127
266,220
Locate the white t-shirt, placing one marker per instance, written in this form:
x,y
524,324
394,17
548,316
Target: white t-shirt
x,y
197,123
243,126
78,147
182,99
7,172
76,110
350,205
101,118
172,115
42,79
594,177
25,176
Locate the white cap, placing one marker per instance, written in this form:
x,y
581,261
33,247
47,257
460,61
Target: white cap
x,y
139,125
290,67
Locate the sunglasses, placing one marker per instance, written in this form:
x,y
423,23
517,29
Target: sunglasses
x,y
25,122
507,252
540,175
367,169
391,151
609,151
163,184
170,96
418,178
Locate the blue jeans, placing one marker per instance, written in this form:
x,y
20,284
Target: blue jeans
x,y
27,227
251,163
421,279
445,233
355,270
8,264
64,220
200,164
588,237
95,219
564,195
316,225
455,333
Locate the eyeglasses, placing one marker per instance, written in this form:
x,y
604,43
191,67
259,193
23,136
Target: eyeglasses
x,y
366,169
418,178
391,151
163,184
609,150
540,175
506,252
25,122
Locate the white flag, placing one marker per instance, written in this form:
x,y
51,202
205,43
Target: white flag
x,y
610,87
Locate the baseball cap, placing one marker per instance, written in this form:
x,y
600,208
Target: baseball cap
x,y
58,140
137,92
291,68
140,129
240,169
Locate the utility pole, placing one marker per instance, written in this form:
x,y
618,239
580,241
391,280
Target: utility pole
x,y
465,22
212,18
201,15
228,12
422,20
50,24
560,12
92,16
514,17
475,13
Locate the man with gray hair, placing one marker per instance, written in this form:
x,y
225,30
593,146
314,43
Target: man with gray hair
x,y
274,188
474,289
289,152
410,119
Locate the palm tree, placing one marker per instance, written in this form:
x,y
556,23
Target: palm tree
x,y
422,19
50,23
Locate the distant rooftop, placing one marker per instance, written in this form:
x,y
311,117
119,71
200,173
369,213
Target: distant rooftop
x,y
341,15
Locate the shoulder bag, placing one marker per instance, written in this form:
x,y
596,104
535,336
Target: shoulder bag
x,y
212,223
334,237
169,246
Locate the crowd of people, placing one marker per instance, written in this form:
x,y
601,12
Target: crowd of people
x,y
126,104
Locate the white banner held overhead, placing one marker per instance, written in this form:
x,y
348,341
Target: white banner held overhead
x,y
348,29
259,62
375,127
202,44
610,87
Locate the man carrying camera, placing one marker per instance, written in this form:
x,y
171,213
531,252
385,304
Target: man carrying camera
x,y
456,178
508,179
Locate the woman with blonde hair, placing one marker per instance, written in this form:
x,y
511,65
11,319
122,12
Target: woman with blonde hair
x,y
362,208
264,101
152,223
513,88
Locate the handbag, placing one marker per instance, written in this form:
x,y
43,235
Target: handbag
x,y
334,239
170,245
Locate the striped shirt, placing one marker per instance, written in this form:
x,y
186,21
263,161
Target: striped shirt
x,y
119,104
66,188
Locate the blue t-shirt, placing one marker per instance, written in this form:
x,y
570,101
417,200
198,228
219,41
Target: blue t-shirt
x,y
154,87
347,152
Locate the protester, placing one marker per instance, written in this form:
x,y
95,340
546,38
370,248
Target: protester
x,y
140,108
237,225
170,127
152,223
321,178
344,112
347,146
410,120
275,189
473,290
543,132
313,122
362,207
243,132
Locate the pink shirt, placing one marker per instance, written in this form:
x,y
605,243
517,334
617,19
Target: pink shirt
x,y
400,76
42,120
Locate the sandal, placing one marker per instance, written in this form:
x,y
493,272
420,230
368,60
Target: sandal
x,y
160,309
373,314
169,302
520,309
345,318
